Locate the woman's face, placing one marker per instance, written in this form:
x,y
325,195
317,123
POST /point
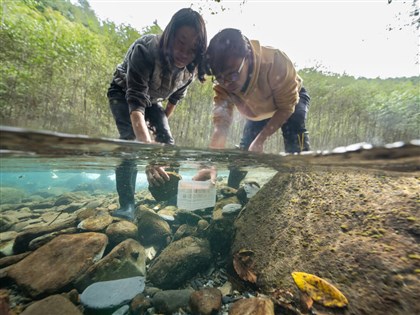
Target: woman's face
x,y
235,74
184,46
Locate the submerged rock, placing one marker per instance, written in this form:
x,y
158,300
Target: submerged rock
x,y
166,217
221,230
202,228
10,260
227,191
152,229
6,248
126,260
106,295
167,190
120,231
187,217
231,208
69,197
96,223
123,310
52,305
44,239
170,301
353,229
206,301
180,261
184,230
52,267
23,240
140,303
7,240
7,222
247,191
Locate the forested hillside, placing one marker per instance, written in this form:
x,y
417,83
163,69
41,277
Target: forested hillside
x,y
57,60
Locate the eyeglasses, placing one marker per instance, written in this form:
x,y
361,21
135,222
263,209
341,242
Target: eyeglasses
x,y
233,77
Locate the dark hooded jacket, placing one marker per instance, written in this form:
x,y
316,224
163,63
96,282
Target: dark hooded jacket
x,y
143,80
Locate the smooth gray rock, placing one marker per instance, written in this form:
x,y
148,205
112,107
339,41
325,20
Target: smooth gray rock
x,y
111,294
123,310
231,208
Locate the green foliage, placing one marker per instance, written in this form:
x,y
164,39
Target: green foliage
x,y
345,110
154,29
58,59
57,62
81,13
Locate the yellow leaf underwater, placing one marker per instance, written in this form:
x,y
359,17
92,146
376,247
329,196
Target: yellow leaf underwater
x,y
319,290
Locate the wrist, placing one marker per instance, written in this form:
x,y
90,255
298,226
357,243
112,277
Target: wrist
x,y
260,138
139,127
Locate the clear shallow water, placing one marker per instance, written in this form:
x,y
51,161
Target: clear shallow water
x,y
46,165
34,159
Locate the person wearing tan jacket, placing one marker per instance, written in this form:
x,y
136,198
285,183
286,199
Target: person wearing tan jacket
x,y
263,85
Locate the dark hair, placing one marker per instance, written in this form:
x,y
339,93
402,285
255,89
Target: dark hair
x,y
191,18
227,43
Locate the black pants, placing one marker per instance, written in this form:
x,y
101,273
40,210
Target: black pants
x,y
155,117
294,126
294,131
126,172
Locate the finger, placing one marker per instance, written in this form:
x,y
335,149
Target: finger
x,y
151,182
158,179
202,175
151,178
162,174
213,173
213,178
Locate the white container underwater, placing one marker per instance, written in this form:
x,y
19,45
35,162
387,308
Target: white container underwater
x,y
193,195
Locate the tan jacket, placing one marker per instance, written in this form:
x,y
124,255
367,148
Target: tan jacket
x,y
274,86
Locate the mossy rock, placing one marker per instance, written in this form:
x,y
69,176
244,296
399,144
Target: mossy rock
x,y
167,190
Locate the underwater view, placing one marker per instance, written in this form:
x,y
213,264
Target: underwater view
x,y
316,233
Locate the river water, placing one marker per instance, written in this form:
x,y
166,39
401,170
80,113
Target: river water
x,y
47,154
48,165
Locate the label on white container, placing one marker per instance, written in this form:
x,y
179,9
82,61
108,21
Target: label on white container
x,y
193,195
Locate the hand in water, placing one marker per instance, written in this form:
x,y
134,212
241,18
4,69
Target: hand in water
x,y
206,174
156,175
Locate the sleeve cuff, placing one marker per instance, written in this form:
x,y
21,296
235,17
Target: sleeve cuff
x,y
136,108
173,101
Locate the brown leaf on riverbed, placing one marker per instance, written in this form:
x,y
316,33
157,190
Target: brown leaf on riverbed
x,y
283,300
306,302
252,306
319,290
243,262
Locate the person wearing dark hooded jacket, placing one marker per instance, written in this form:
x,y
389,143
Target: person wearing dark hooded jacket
x,y
156,68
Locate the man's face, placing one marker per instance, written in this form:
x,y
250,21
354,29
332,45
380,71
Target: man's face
x,y
233,77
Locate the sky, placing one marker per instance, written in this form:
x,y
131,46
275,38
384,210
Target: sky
x,y
341,36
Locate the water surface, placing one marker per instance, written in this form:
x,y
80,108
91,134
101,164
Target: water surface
x,y
35,159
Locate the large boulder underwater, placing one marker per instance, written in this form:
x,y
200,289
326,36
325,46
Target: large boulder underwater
x,y
359,230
